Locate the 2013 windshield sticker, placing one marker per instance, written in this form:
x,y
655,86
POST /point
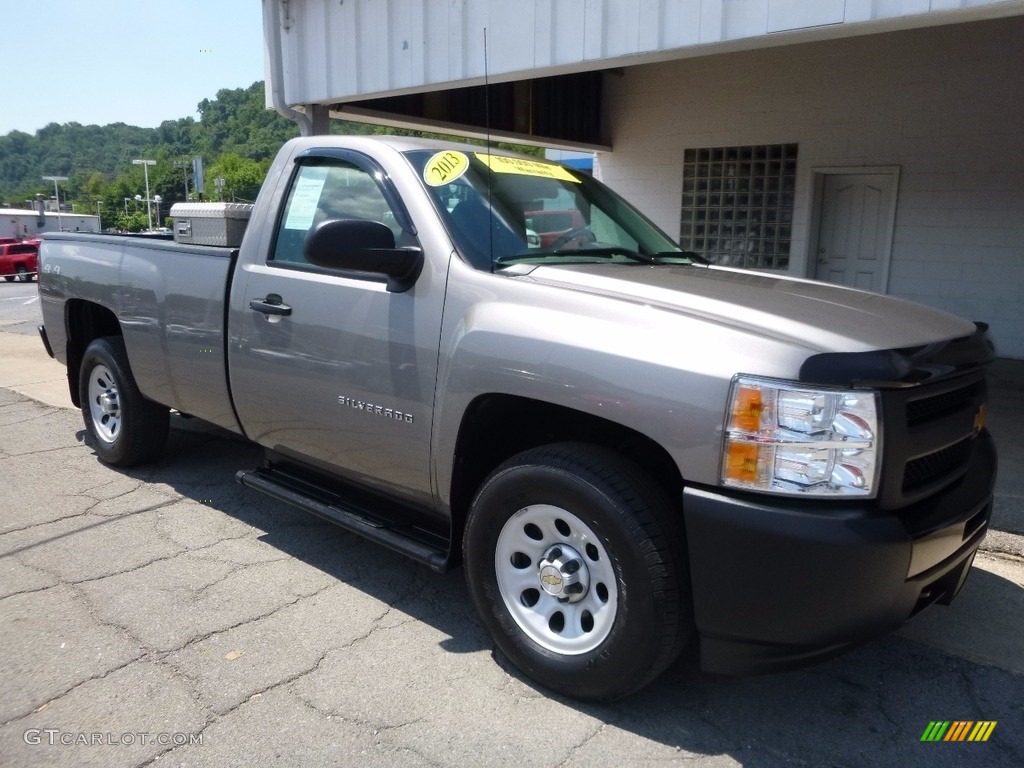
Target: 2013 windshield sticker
x,y
524,167
445,167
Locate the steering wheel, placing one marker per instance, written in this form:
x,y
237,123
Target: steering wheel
x,y
579,235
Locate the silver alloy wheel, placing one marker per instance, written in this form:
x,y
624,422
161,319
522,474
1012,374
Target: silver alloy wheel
x,y
556,579
104,408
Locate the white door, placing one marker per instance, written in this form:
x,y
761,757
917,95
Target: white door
x,y
855,230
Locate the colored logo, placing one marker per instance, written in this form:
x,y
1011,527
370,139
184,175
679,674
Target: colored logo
x,y
551,579
979,419
959,730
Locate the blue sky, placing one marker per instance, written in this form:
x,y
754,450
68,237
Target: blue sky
x,y
131,61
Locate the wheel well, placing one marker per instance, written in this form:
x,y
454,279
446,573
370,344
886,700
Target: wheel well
x,y
497,427
84,322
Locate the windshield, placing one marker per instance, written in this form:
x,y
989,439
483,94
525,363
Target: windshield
x,y
503,210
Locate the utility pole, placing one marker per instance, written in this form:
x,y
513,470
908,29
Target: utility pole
x,y
184,163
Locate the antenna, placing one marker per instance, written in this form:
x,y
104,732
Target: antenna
x,y
487,97
490,173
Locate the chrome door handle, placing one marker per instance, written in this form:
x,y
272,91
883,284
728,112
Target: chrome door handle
x,y
272,305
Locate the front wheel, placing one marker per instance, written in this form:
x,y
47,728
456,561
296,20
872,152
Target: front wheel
x,y
125,428
23,275
575,561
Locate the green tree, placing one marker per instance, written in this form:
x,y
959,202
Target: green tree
x,y
236,135
238,122
242,177
133,222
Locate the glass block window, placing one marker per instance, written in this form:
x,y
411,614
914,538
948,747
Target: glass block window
x,y
737,207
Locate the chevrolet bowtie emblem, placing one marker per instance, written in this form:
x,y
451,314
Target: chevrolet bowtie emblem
x,y
979,419
551,579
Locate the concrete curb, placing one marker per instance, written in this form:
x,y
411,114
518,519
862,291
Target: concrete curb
x,y
25,368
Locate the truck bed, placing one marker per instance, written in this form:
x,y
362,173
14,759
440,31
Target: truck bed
x,y
170,301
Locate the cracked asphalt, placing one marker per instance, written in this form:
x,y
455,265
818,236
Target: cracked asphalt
x,y
167,616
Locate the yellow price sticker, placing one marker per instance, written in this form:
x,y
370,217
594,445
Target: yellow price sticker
x,y
524,167
445,167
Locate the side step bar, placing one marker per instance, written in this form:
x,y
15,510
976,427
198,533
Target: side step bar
x,y
351,518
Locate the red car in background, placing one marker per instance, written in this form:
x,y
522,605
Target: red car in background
x,y
551,225
19,260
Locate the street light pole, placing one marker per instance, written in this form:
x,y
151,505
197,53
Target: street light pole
x,y
145,167
56,195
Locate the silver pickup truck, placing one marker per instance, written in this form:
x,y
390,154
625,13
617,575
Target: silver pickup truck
x,y
625,447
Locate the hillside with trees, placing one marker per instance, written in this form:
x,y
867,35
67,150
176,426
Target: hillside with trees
x,y
236,135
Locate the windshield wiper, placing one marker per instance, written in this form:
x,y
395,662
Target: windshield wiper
x,y
582,253
691,256
662,257
613,250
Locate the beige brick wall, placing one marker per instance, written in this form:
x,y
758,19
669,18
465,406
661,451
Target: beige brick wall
x,y
944,104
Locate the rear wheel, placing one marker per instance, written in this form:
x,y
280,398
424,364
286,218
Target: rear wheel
x,y
23,275
125,428
575,561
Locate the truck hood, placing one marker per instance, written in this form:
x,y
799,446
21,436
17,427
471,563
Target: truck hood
x,y
821,317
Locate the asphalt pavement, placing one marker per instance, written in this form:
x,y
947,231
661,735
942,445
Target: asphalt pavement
x,y
167,616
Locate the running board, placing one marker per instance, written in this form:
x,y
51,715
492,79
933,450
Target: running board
x,y
349,517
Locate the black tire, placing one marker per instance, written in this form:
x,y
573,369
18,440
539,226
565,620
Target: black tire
x,y
9,278
124,427
542,522
23,275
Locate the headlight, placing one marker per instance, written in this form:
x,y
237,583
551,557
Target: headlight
x,y
782,437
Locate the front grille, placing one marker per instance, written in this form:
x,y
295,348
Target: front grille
x,y
935,466
929,439
926,408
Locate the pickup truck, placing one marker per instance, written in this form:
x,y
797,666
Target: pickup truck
x,y
19,260
628,450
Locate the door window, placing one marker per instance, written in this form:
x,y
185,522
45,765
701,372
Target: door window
x,y
328,190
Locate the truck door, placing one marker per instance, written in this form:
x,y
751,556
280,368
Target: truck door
x,y
329,367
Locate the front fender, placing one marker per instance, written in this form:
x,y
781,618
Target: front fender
x,y
660,373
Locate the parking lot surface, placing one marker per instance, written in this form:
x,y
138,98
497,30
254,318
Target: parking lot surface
x,y
167,616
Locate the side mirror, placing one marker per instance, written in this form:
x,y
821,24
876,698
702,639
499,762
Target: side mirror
x,y
359,245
